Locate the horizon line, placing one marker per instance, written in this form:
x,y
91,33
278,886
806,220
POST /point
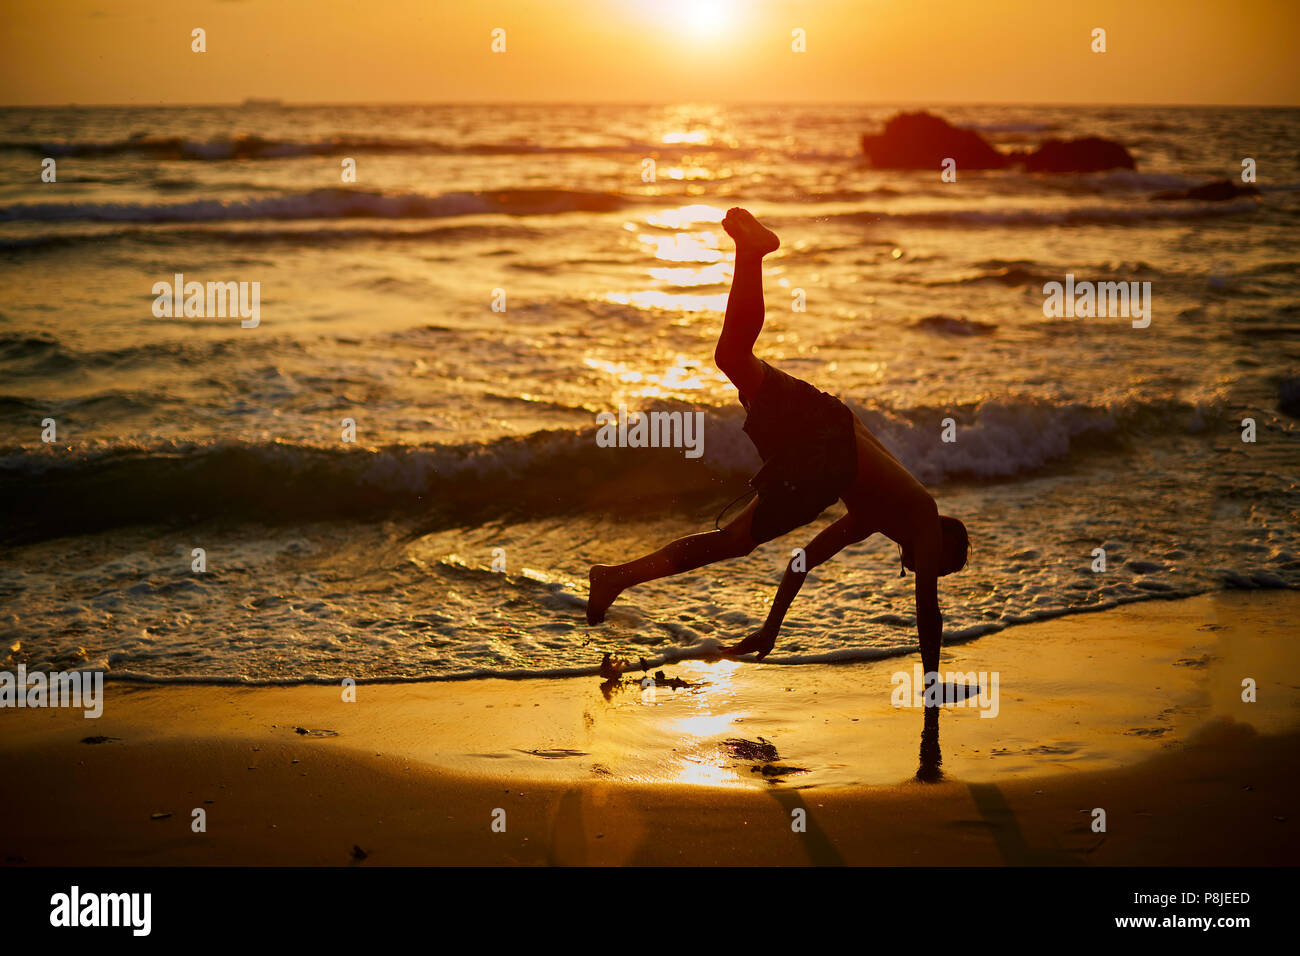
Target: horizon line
x,y
278,101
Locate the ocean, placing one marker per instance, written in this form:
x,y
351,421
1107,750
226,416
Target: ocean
x,y
498,276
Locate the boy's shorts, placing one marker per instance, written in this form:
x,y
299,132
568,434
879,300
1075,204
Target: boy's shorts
x,y
808,444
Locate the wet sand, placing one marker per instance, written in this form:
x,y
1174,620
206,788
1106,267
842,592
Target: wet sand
x,y
1135,710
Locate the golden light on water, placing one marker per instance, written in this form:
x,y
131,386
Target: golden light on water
x,y
684,375
713,715
697,137
670,301
703,725
697,246
702,772
686,277
617,369
684,247
666,735
683,216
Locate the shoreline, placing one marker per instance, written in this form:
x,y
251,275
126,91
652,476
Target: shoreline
x,y
846,656
1135,710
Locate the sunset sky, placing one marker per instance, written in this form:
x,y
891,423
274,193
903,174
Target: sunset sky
x,y
885,51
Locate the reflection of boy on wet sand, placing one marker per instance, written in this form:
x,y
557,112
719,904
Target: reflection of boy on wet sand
x,y
814,450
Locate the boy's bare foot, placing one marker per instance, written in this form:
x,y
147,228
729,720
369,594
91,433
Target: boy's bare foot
x,y
751,236
602,594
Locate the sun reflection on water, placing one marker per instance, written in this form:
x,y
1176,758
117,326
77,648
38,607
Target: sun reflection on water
x,y
681,137
713,712
683,245
684,216
684,277
685,374
678,302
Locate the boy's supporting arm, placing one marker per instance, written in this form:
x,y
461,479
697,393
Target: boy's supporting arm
x,y
836,536
929,622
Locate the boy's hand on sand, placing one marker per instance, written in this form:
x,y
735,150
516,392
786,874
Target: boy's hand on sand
x,y
761,642
751,237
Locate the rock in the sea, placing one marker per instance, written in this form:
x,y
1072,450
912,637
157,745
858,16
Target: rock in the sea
x,y
1220,190
1288,397
1087,155
922,141
953,325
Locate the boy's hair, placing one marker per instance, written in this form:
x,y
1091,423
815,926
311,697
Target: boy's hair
x,y
955,547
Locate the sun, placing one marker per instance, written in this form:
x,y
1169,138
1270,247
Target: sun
x,y
695,19
706,18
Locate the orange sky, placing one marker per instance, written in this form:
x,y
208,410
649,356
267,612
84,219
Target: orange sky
x,y
884,51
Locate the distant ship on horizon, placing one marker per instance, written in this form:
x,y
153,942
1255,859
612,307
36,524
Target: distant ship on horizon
x,y
263,101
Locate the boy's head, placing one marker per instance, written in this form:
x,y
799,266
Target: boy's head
x,y
956,545
953,550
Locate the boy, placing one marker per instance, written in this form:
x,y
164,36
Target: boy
x,y
814,450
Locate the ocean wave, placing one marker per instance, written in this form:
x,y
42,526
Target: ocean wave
x,y
1085,215
52,491
40,354
1123,180
1005,438
1012,275
341,204
1010,127
264,235
257,147
328,203
1022,272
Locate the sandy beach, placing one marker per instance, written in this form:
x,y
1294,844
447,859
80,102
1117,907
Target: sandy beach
x,y
564,435
1135,710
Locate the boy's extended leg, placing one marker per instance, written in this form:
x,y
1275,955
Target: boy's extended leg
x,y
735,357
684,554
